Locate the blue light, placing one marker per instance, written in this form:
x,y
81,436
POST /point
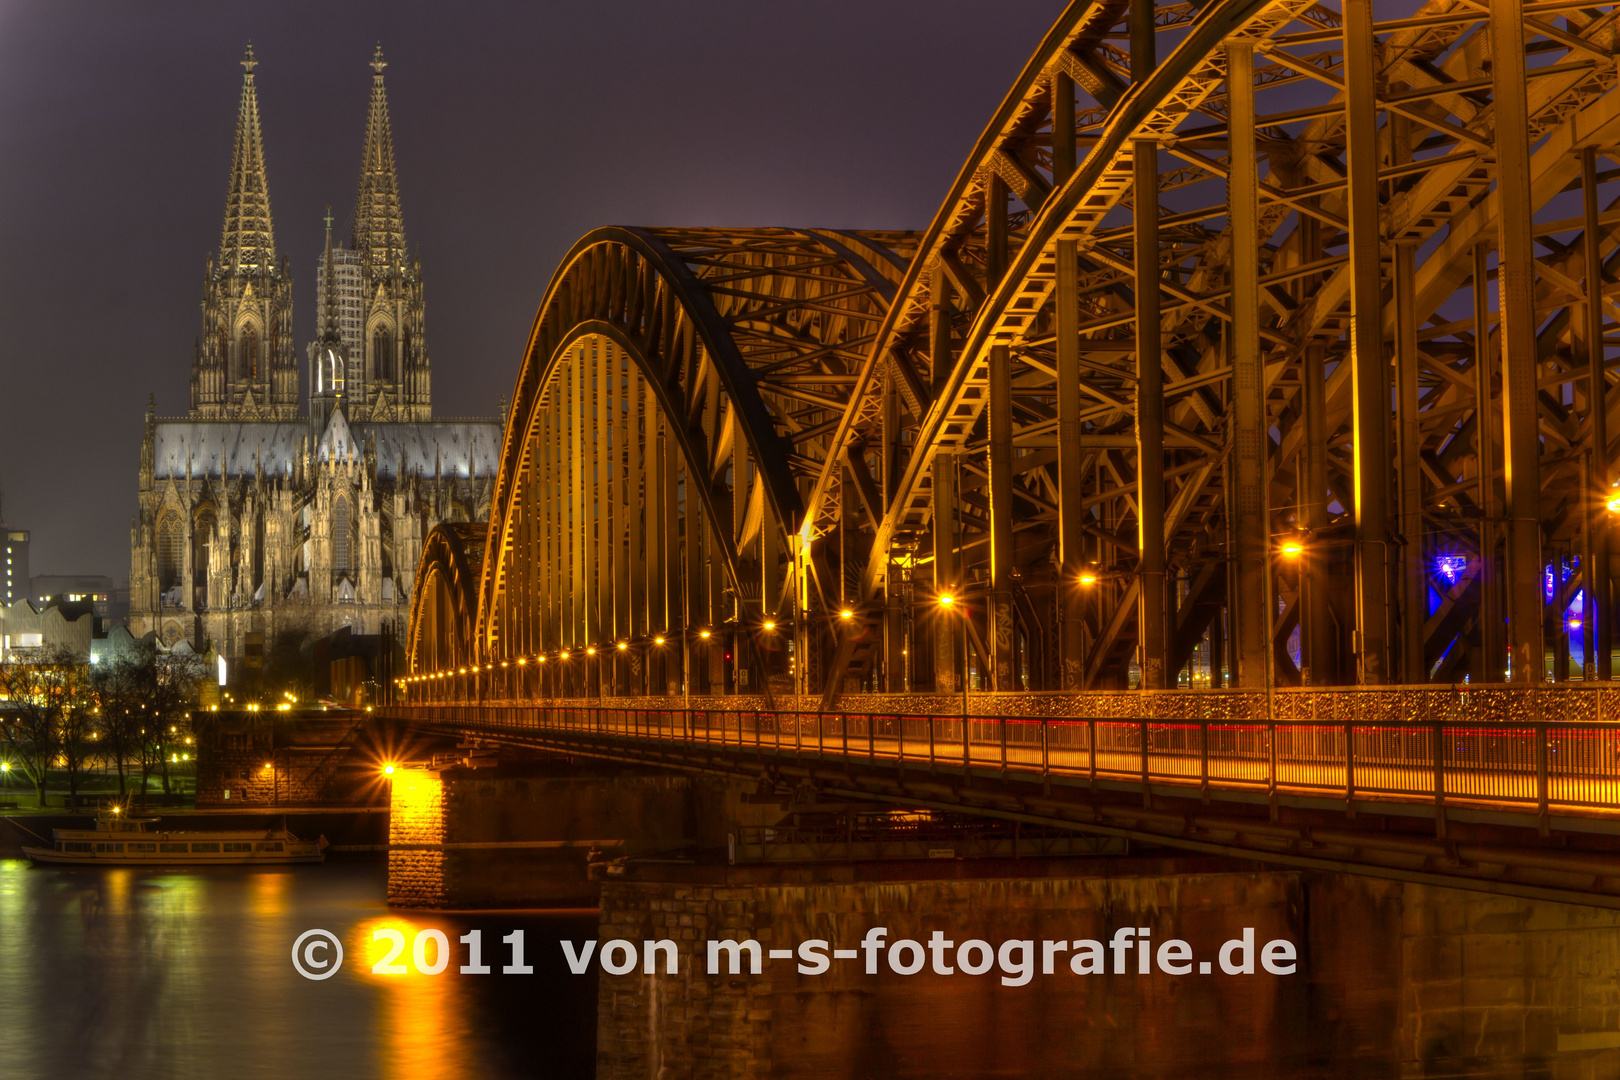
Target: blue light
x,y
1451,567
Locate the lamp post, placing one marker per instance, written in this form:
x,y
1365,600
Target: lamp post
x,y
946,602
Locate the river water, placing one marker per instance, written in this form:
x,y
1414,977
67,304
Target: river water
x,y
187,973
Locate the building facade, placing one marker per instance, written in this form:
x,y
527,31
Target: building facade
x,y
15,585
267,519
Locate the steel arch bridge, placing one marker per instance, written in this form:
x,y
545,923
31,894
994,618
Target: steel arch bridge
x,y
1255,344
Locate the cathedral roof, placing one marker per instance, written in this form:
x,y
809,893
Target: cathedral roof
x,y
217,448
247,243
379,222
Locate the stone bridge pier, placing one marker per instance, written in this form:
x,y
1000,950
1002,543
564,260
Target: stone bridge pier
x,y
546,833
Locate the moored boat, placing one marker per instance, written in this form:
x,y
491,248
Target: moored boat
x,y
119,841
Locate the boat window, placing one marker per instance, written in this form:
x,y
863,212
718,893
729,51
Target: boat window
x,y
234,846
172,847
143,847
275,846
75,845
116,848
59,845
205,847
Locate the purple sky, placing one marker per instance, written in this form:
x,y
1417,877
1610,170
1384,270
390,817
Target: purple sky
x,y
517,128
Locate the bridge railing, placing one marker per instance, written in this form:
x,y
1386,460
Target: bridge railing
x,y
1539,764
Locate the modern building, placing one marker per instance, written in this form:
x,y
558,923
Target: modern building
x,y
260,524
109,600
16,583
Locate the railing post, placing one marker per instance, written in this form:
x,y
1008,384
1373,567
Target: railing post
x,y
967,745
756,730
1143,729
902,732
1349,766
871,738
1046,755
1440,780
1542,735
1271,763
1203,758
1003,722
1091,749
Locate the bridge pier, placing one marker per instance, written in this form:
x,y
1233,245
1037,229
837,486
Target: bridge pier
x,y
1391,979
525,834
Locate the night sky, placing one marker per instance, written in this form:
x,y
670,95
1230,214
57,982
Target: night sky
x,y
517,128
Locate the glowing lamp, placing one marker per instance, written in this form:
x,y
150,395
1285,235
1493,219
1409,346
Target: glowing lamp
x,y
769,625
946,600
591,651
704,634
1293,548
659,640
1088,579
623,645
1574,624
1614,505
388,770
846,614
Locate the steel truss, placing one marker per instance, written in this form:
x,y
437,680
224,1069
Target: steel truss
x,y
1256,343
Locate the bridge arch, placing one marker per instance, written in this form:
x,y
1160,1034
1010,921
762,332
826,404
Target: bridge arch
x,y
444,605
677,393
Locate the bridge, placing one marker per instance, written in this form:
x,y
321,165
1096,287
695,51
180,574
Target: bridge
x,y
1237,434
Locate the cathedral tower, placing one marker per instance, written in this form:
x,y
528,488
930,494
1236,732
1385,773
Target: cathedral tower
x,y
390,378
243,366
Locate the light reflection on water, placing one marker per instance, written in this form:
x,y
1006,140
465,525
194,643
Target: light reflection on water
x,y
124,972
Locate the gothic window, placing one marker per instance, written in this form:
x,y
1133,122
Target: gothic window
x,y
382,354
406,352
342,535
224,350
171,547
249,355
258,553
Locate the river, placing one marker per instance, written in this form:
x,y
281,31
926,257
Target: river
x,y
187,973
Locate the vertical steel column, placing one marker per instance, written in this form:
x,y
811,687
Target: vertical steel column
x,y
670,570
1516,292
739,513
1597,613
697,596
1071,474
1369,371
1414,576
1249,602
894,638
995,231
627,491
639,521
1149,411
946,580
601,548
1491,646
1002,629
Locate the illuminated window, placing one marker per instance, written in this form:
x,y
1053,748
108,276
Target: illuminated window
x,y
170,550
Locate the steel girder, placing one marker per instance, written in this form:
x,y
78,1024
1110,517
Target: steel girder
x,y
974,412
1429,163
677,396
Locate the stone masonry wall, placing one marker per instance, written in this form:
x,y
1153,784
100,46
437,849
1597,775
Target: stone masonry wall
x,y
1393,980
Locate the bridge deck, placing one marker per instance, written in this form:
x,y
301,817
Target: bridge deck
x,y
1573,768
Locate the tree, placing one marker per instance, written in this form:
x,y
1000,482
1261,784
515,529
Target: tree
x,y
123,689
43,702
176,682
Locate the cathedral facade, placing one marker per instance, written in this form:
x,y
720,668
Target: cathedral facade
x,y
265,520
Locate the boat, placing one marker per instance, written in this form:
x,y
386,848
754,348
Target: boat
x,y
124,841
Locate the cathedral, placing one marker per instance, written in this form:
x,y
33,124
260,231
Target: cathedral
x,y
264,522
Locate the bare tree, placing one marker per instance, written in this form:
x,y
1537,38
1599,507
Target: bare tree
x,y
123,689
44,704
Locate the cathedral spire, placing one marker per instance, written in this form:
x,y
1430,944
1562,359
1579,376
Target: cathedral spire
x,y
329,299
379,225
247,243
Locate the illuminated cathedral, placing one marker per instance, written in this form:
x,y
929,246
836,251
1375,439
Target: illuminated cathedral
x,y
265,518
